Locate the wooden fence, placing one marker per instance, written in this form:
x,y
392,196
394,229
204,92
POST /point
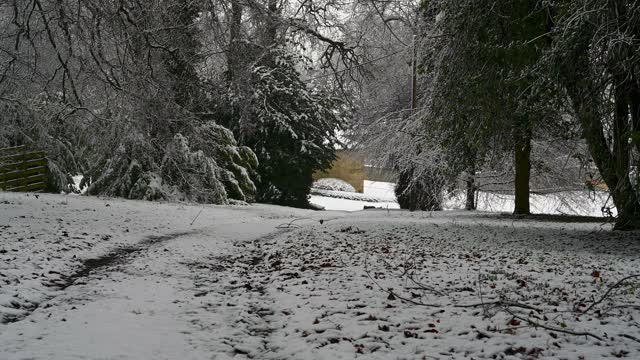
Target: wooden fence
x,y
22,169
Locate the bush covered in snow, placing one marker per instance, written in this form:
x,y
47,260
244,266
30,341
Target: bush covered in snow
x,y
333,185
145,128
205,165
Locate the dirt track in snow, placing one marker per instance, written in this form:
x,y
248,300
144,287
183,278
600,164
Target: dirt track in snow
x,y
236,286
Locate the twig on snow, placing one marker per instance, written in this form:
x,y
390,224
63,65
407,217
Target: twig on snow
x,y
194,219
426,287
551,328
629,306
407,272
501,303
391,292
291,224
629,337
616,285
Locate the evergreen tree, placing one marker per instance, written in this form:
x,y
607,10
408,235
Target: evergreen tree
x,y
290,125
292,129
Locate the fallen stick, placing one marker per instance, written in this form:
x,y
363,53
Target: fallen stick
x,y
501,303
629,337
610,290
391,292
552,328
194,219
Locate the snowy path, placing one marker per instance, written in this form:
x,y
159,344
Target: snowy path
x,y
371,285
169,295
151,295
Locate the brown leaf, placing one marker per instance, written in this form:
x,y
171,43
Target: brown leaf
x,y
514,322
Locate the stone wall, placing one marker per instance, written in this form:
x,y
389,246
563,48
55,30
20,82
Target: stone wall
x,y
346,167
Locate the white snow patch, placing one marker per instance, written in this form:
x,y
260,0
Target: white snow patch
x,y
333,184
385,190
580,203
266,282
331,203
377,194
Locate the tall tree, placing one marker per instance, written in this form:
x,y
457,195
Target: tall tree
x,y
594,54
483,93
121,78
290,124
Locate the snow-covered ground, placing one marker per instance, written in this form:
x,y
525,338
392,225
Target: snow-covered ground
x,y
580,203
381,195
82,277
333,184
379,189
85,278
376,194
339,204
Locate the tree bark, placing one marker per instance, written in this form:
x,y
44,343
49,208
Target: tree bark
x,y
634,102
471,190
522,143
612,165
271,33
234,51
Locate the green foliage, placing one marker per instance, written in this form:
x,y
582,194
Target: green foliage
x,y
420,191
181,63
238,164
506,69
483,91
291,128
593,56
192,173
131,171
635,138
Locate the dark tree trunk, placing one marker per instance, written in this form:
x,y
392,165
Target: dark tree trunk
x,y
271,33
612,165
634,102
183,61
624,88
522,143
471,190
624,195
234,52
